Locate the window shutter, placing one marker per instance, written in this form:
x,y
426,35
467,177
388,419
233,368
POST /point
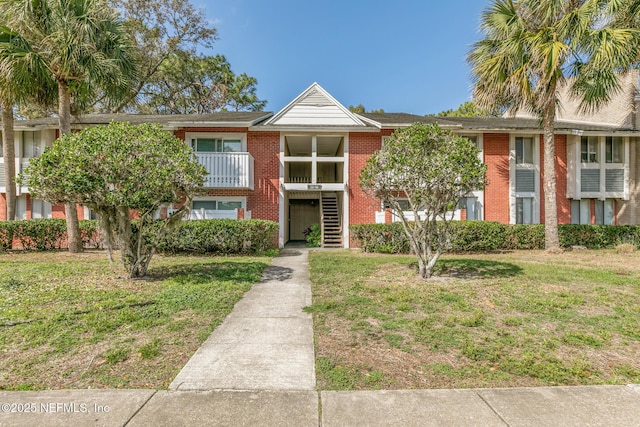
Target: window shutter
x,y
590,180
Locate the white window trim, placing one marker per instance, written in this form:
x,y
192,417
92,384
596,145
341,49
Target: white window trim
x,y
478,194
602,166
189,136
513,195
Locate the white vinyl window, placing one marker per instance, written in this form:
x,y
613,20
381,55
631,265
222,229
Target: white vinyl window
x,y
524,210
524,150
31,144
603,212
216,145
589,149
472,206
40,209
217,207
581,211
614,152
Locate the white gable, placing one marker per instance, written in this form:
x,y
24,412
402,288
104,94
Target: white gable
x,y
315,107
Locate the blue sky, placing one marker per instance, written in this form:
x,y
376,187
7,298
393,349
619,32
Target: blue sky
x,y
402,56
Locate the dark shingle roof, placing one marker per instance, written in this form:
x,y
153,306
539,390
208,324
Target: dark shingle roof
x,y
225,117
517,123
404,119
488,123
385,120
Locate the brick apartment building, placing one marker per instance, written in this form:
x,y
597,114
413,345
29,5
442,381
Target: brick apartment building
x,y
300,166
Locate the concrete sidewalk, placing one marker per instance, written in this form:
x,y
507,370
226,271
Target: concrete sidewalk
x,y
266,343
547,406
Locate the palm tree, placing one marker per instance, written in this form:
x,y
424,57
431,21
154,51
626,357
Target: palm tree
x,y
21,79
532,49
88,53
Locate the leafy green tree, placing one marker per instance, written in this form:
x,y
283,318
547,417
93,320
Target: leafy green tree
x,y
162,29
187,83
115,170
360,109
241,95
466,109
432,169
528,51
84,46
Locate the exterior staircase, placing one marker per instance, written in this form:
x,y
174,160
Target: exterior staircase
x,y
331,222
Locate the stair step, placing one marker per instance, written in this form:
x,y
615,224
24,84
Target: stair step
x,y
332,237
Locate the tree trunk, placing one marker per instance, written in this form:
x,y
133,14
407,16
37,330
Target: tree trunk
x,y
9,154
64,119
551,239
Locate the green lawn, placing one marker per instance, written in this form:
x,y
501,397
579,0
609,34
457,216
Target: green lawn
x,y
499,320
75,321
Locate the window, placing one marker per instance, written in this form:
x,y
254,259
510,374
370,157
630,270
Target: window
x,y
470,204
21,207
40,209
524,210
581,211
31,144
589,149
614,149
603,211
404,205
217,205
524,150
216,145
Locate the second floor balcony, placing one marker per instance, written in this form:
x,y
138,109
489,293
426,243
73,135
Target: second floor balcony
x,y
227,170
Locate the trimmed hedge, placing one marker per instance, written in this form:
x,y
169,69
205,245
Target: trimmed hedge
x,y
382,238
43,234
483,236
219,236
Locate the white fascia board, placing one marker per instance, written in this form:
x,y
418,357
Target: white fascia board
x,y
313,129
315,86
369,121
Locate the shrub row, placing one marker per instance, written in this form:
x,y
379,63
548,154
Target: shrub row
x,y
219,236
483,236
44,234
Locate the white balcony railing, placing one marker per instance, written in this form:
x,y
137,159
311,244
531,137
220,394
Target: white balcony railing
x,y
227,170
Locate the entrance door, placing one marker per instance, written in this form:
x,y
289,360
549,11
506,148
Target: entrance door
x,y
302,214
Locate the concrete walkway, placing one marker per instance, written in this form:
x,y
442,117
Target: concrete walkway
x,y
257,369
266,343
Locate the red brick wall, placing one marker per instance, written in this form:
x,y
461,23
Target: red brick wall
x,y
3,207
563,203
263,201
362,208
57,211
496,194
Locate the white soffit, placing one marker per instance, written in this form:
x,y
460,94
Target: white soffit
x,y
315,107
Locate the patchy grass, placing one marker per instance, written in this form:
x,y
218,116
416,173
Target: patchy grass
x,y
525,318
75,321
